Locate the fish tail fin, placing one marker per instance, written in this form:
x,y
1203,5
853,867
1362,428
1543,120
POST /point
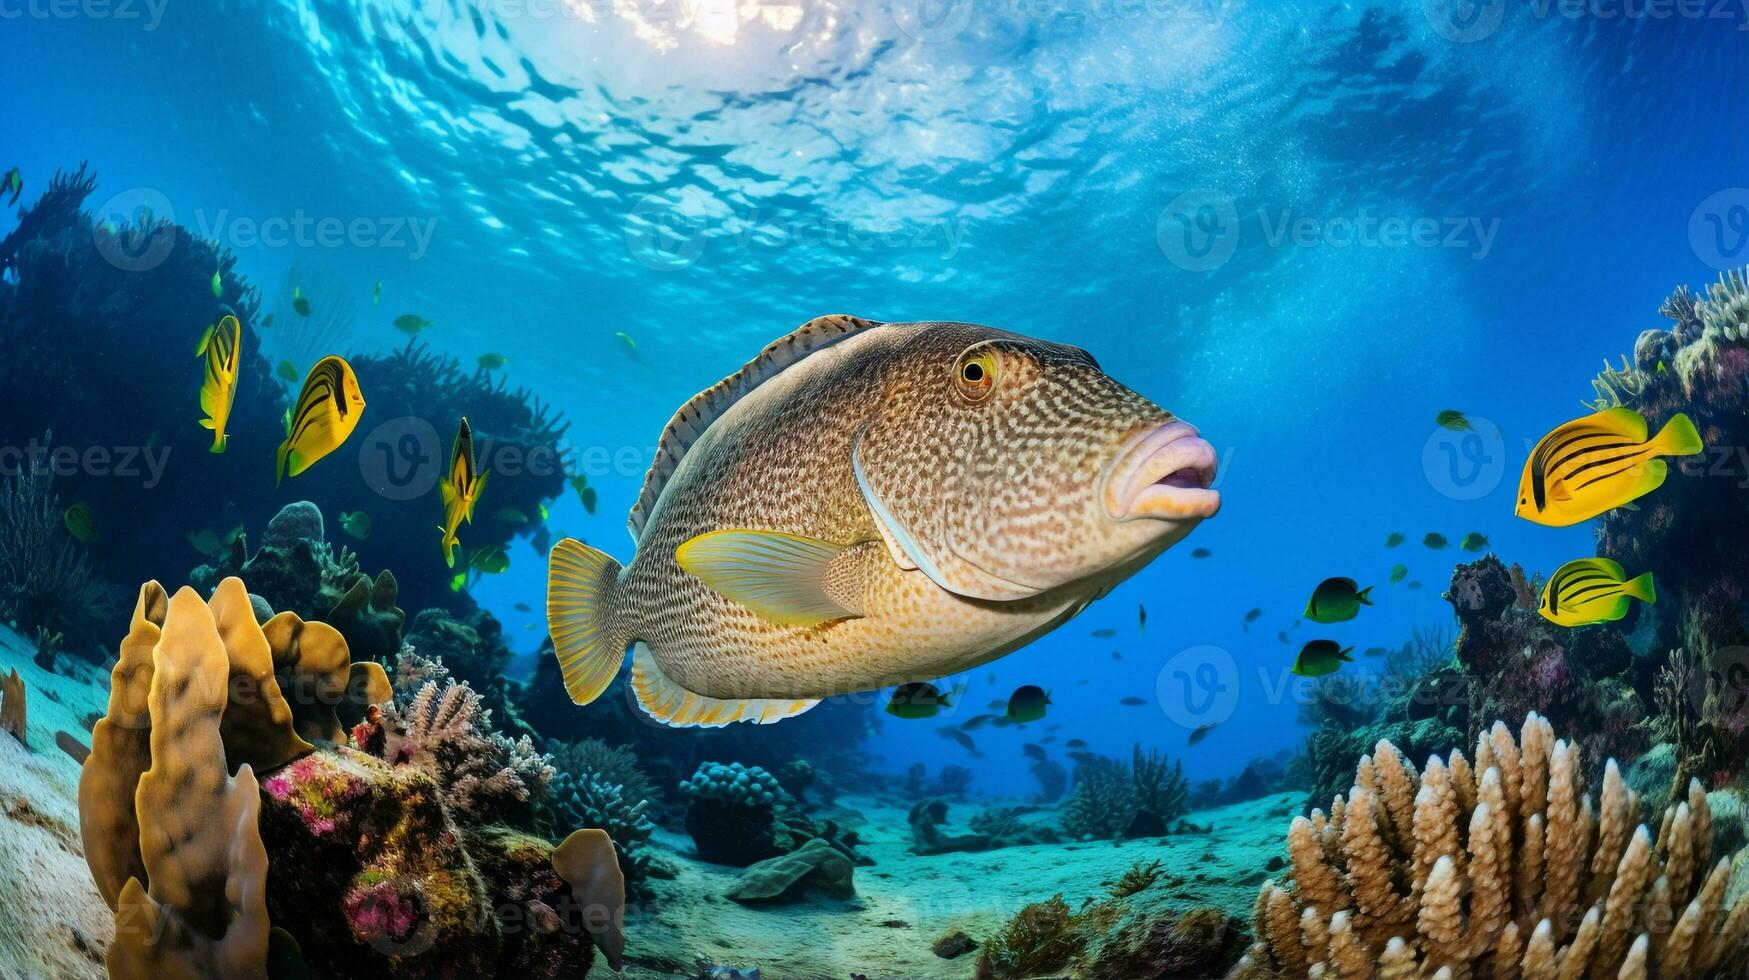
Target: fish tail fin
x,y
1362,596
220,440
1345,655
582,584
1641,588
1679,437
448,545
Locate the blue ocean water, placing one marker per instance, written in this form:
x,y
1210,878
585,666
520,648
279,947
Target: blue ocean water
x,y
1305,227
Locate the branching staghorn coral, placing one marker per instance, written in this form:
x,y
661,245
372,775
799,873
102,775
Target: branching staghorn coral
x,y
444,730
1161,790
1104,803
616,765
589,800
1503,868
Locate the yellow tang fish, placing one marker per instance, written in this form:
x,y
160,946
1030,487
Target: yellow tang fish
x,y
461,490
1598,463
868,504
222,346
326,412
1592,590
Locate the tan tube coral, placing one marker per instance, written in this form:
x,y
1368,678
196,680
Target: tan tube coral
x,y
1544,884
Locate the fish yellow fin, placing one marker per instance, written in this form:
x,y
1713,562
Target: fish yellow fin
x,y
581,583
208,423
206,338
479,488
1679,437
666,701
279,462
780,576
1641,588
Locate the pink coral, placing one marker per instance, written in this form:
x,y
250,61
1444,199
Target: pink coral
x,y
379,911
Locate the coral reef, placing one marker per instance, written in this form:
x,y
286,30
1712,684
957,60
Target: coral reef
x,y
444,730
732,813
469,642
1496,868
1053,780
590,799
1138,935
1516,662
360,864
1112,800
46,581
297,570
815,870
76,282
12,707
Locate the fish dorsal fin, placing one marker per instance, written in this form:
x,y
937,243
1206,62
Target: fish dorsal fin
x,y
696,415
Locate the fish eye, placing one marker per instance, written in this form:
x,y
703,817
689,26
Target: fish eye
x,y
975,375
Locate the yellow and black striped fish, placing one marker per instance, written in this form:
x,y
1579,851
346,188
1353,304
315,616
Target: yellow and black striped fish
x,y
1597,463
326,412
222,346
461,490
1592,590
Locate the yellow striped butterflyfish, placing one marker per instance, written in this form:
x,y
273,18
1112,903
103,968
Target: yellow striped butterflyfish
x,y
461,490
1597,463
326,412
1592,590
221,345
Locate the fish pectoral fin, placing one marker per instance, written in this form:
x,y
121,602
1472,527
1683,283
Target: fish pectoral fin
x,y
780,576
208,424
663,699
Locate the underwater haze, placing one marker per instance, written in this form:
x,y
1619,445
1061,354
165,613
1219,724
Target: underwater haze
x,y
1376,253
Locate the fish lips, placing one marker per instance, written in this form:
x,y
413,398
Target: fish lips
x,y
1163,474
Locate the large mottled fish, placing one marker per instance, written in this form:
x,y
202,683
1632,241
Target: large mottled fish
x,y
462,487
326,412
868,504
1597,463
1592,590
222,346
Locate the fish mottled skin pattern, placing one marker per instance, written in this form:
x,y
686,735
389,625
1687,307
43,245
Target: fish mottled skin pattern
x,y
993,492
